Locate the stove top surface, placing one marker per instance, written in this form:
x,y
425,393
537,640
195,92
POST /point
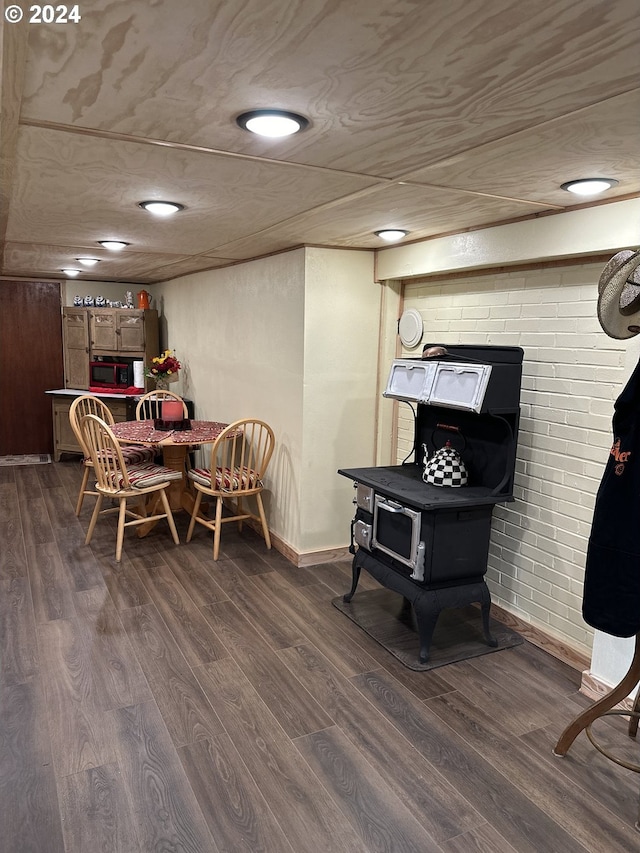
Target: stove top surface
x,y
404,483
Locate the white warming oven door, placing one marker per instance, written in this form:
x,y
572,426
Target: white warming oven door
x,y
455,385
460,386
410,380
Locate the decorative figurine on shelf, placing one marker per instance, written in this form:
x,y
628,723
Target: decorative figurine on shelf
x,y
100,302
88,301
144,298
77,300
128,297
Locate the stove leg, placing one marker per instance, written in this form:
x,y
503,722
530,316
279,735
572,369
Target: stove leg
x,y
355,577
485,609
427,611
406,612
430,603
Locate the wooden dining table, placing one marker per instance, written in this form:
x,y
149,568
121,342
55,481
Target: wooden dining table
x,y
175,445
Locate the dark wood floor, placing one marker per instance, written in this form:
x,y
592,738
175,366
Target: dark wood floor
x,y
171,703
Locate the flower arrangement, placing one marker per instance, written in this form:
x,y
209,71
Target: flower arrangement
x,y
164,367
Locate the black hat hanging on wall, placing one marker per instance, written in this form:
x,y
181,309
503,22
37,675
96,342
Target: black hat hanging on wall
x,y
445,467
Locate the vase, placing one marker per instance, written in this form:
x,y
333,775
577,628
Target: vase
x,y
162,383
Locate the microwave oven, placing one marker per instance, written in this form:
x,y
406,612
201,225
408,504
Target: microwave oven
x,y
106,374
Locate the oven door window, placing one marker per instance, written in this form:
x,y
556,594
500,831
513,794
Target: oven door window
x,y
396,530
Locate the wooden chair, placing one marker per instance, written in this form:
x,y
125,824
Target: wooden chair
x,y
88,404
239,459
150,404
121,482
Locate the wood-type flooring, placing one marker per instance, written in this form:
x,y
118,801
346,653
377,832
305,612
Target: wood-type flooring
x,y
176,705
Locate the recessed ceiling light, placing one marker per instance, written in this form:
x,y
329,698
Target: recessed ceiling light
x,y
88,262
71,273
391,234
589,186
161,208
113,245
272,123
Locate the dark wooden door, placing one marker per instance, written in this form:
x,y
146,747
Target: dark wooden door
x,y
31,363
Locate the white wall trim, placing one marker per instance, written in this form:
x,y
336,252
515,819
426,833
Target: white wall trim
x,y
570,233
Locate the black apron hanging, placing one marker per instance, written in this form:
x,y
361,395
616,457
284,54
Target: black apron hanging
x,y
611,599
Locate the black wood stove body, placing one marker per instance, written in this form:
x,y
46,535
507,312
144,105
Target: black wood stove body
x,y
430,543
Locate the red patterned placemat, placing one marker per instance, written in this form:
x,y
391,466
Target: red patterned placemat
x,y
201,431
139,431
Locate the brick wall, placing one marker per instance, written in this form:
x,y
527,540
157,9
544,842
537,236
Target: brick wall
x,y
572,374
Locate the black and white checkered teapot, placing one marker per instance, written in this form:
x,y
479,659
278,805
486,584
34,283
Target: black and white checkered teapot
x,y
445,467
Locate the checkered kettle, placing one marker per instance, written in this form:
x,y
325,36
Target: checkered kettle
x,y
445,468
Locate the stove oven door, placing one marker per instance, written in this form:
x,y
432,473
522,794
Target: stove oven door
x,y
396,532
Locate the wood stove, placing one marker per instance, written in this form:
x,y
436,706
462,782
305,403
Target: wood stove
x,y
430,543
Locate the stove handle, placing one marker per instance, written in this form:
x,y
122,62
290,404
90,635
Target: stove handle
x,y
352,544
418,572
391,506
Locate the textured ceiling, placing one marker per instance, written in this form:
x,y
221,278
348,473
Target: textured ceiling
x,y
434,116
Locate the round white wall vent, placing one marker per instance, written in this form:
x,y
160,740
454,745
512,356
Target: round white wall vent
x,y
411,327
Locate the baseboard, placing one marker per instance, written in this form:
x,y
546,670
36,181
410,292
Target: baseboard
x,y
547,642
309,558
301,559
332,555
594,688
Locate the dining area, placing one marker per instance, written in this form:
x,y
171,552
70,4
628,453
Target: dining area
x,y
163,462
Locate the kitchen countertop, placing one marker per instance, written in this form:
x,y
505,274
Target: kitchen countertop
x,y
78,392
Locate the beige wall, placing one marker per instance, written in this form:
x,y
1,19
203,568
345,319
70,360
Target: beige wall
x,y
341,324
291,339
239,334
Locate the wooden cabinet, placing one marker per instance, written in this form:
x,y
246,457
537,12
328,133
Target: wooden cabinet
x,y
130,331
64,441
125,333
75,330
118,330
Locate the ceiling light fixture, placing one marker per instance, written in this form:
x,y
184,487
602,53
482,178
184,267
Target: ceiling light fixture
x,y
391,235
272,123
88,262
589,186
161,208
113,245
71,273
